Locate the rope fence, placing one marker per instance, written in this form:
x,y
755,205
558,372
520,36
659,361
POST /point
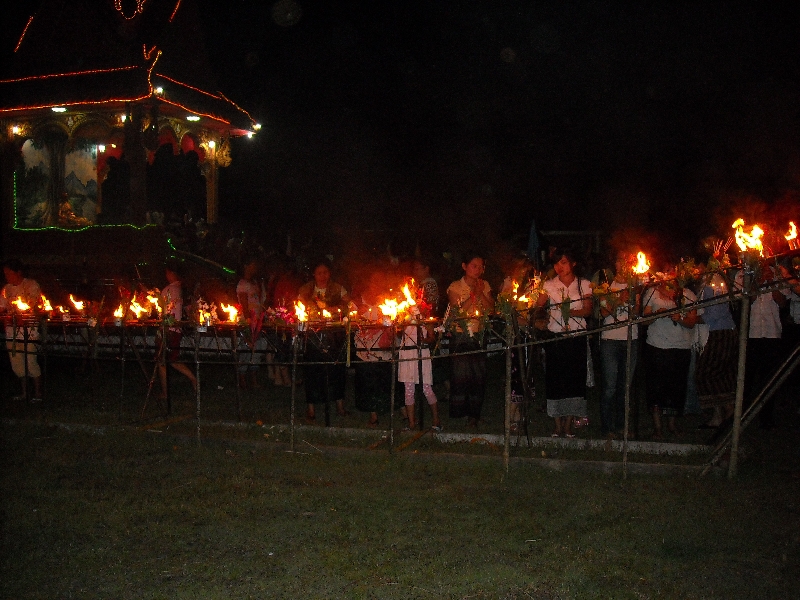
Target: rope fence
x,y
296,345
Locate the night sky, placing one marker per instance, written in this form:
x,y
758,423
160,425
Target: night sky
x,y
464,120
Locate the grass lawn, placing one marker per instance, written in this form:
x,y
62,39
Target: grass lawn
x,y
132,514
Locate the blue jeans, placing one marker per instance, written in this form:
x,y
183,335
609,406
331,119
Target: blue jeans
x,y
613,358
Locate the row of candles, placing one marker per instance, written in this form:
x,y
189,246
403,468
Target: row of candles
x,y
392,310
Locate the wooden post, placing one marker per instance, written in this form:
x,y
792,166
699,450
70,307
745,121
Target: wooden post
x,y
744,328
628,378
507,419
197,378
212,184
295,342
392,388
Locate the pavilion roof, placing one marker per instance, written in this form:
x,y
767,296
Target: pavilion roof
x,y
92,53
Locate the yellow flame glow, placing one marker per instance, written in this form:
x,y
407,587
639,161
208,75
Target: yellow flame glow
x,y
46,307
137,308
153,300
642,264
78,304
300,311
233,312
119,313
21,304
748,241
792,233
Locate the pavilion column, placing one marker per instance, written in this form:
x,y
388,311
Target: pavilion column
x,y
136,157
56,145
212,184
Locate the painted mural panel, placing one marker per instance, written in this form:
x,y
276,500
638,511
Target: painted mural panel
x,y
41,200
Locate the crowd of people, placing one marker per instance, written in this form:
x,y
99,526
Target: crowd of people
x,y
689,356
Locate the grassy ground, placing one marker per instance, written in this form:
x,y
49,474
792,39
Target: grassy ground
x,y
111,509
131,514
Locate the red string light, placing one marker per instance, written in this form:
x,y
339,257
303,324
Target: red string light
x,y
79,103
174,12
24,31
72,74
181,106
224,97
186,85
139,9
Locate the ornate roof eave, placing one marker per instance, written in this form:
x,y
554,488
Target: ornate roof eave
x,y
110,90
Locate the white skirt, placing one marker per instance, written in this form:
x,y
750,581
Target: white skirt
x,y
408,370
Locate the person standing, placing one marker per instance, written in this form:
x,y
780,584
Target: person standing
x,y
251,295
20,352
668,353
324,380
470,296
569,300
614,308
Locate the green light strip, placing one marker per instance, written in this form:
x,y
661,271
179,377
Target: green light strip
x,y
54,228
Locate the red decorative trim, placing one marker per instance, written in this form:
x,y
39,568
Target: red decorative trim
x,y
148,53
80,103
74,73
24,31
139,9
194,112
172,16
191,87
224,97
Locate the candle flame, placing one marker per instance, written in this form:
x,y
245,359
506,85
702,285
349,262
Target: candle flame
x,y
119,312
233,312
326,314
78,304
137,308
748,241
642,264
792,233
300,311
46,307
153,300
409,298
21,304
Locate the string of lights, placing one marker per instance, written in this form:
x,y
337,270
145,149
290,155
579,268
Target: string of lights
x,y
24,31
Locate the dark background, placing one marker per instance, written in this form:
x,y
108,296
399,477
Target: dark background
x,y
461,121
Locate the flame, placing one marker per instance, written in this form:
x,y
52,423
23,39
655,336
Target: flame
x,y
78,304
389,308
21,304
119,312
233,312
137,308
61,309
326,314
46,304
642,264
792,233
523,298
407,294
748,241
153,300
300,311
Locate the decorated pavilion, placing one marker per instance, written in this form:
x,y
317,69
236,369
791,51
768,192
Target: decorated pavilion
x,y
98,98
